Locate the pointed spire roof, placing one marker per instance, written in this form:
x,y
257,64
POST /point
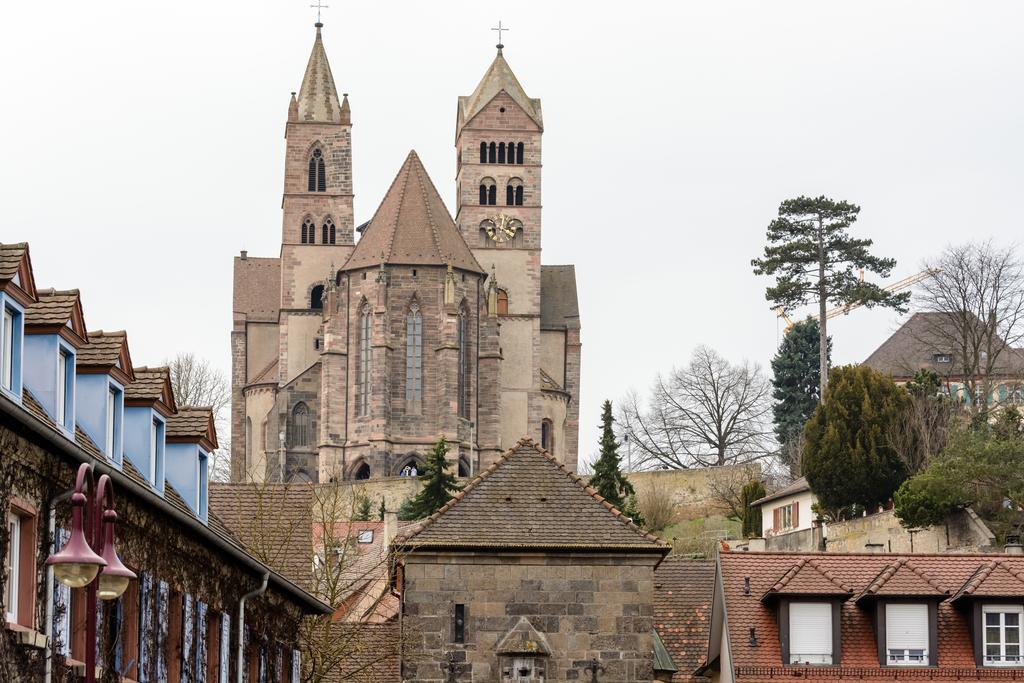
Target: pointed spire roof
x,y
499,78
412,227
318,98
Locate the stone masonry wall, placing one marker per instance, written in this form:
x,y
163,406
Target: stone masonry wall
x,y
585,606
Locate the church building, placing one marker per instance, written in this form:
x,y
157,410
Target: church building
x,y
357,348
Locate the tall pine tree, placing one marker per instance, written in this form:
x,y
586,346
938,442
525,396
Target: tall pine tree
x,y
439,485
608,478
815,260
796,380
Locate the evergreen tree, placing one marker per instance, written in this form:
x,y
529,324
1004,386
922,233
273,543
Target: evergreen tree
x,y
438,484
751,521
363,508
848,458
796,380
608,478
815,260
382,509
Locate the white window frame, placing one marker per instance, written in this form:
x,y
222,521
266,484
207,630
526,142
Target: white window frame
x,y
13,567
7,350
365,536
908,655
819,625
111,422
1002,611
65,387
785,517
154,433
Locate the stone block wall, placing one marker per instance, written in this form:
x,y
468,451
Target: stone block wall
x,y
584,606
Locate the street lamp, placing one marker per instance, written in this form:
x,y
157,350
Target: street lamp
x,y
77,564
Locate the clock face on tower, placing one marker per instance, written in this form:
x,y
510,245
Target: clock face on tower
x,y
500,228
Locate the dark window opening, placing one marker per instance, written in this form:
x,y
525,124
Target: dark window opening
x,y
492,195
483,195
510,194
511,152
492,153
363,472
308,231
328,233
518,200
316,297
501,153
519,153
317,172
483,152
300,425
547,441
460,624
463,468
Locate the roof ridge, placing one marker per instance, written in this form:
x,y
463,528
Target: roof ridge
x,y
407,167
430,214
890,570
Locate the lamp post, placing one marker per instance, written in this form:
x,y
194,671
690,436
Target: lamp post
x,y
78,565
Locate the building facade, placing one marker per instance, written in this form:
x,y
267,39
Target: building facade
x,y
71,397
356,349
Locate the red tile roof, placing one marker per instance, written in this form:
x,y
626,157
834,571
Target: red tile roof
x,y
527,499
257,288
993,579
807,577
930,576
682,611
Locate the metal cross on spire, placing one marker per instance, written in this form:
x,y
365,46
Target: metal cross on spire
x,y
499,29
319,6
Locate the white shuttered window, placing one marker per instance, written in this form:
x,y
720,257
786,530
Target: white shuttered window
x,y
810,633
906,634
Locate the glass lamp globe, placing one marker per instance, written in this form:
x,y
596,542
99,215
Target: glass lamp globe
x,y
75,574
76,565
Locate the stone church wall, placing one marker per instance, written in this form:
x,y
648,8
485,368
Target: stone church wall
x,y
584,606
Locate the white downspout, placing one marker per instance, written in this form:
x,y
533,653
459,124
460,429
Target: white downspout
x,y
241,625
48,630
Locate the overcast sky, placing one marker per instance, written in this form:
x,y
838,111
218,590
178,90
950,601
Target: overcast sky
x,y
143,148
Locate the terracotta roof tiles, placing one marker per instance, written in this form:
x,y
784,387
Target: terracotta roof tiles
x,y
257,288
682,611
527,499
807,577
902,577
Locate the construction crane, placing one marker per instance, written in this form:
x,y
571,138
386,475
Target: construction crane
x,y
898,286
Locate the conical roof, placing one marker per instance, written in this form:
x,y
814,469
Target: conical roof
x,y
318,98
412,227
499,77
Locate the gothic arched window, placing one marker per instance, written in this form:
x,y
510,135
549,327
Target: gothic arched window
x,y
463,360
308,231
483,152
413,358
364,375
492,153
316,297
488,192
519,153
502,302
317,172
362,472
328,232
463,467
300,425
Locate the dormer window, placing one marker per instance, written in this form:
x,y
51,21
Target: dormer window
x,y
113,427
906,634
1001,636
810,633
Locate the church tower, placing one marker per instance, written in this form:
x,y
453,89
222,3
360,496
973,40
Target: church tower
x,y
498,157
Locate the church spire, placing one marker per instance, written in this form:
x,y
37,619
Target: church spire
x,y
499,78
318,97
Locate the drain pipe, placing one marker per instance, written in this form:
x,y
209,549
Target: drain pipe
x,y
51,516
241,624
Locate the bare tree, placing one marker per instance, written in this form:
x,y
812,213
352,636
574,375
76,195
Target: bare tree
x,y
923,429
658,505
975,307
710,412
198,383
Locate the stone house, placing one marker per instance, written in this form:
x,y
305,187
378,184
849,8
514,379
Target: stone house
x,y
527,575
71,397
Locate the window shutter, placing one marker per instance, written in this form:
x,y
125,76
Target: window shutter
x,y
201,643
776,514
187,633
61,602
810,632
906,626
796,515
163,620
225,647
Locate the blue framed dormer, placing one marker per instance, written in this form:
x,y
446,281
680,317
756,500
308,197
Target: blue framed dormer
x,y
149,403
191,439
103,370
17,292
54,331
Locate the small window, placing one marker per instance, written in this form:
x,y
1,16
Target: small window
x,y
363,472
547,441
317,173
12,567
906,634
365,536
502,302
943,358
113,431
810,633
308,231
483,152
65,388
786,517
492,153
460,624
519,153
316,298
1002,634
300,425
8,344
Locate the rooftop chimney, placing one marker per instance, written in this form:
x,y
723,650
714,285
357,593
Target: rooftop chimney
x,y
245,254
390,526
1013,545
874,547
